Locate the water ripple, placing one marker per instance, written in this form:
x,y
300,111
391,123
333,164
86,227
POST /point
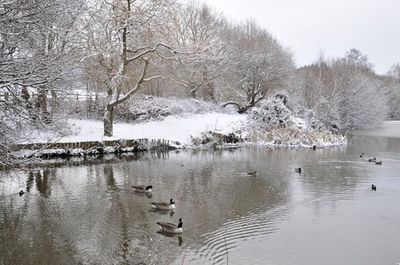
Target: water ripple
x,y
218,243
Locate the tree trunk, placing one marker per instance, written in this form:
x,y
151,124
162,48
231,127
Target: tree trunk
x,y
108,121
211,91
25,94
41,103
44,110
193,91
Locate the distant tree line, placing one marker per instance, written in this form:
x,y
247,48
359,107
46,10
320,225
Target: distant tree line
x,y
345,93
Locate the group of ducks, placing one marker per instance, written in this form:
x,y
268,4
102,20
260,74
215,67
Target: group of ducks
x,y
373,160
169,206
373,187
171,228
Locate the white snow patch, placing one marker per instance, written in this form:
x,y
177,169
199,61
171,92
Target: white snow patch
x,y
391,122
171,128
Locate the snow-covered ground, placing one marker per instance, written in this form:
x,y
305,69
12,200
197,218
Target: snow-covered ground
x,y
172,128
270,124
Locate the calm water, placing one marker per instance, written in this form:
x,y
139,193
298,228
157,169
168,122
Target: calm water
x,y
84,212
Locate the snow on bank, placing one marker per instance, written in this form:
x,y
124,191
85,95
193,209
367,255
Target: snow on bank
x,y
294,138
171,128
273,124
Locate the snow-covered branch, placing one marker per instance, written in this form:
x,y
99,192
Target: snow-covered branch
x,y
140,80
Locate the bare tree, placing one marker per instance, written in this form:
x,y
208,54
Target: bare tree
x,y
392,82
344,93
255,64
394,71
130,42
196,29
356,110
36,50
357,59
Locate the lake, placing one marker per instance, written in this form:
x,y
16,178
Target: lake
x,y
84,211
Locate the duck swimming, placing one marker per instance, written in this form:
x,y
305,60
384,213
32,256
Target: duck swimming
x,y
378,163
164,205
171,228
142,188
372,159
253,173
373,187
21,192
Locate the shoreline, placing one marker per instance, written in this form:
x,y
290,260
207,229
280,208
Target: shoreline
x,y
115,147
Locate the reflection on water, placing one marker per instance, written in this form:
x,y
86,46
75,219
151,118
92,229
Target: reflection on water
x,y
84,211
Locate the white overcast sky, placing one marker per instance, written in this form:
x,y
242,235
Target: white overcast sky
x,y
308,27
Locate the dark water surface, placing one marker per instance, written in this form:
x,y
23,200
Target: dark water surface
x,y
84,212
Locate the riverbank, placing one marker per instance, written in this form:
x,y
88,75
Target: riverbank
x,y
272,124
89,201
86,136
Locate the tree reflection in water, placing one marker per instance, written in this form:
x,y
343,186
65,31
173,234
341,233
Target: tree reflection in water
x,y
85,212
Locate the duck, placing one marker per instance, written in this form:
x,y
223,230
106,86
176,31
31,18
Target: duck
x,y
298,170
253,173
171,228
378,163
143,188
373,187
362,155
164,205
372,159
21,192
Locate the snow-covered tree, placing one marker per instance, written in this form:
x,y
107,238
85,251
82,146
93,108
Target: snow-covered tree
x,y
344,93
196,29
125,37
358,59
392,82
37,48
255,63
363,102
394,71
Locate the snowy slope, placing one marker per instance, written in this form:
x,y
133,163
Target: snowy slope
x,y
171,128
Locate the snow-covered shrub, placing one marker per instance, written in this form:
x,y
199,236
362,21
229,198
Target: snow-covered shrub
x,y
290,137
215,137
272,113
147,108
272,123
